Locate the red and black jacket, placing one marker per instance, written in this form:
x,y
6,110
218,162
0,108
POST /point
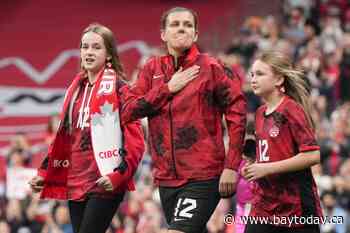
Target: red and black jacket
x,y
186,131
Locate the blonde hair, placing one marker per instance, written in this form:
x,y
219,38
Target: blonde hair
x,y
294,83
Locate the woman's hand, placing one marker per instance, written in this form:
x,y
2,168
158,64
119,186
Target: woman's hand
x,y
182,77
228,183
105,183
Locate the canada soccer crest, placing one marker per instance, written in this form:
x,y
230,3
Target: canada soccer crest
x,y
274,131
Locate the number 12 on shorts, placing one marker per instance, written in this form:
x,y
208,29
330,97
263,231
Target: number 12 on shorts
x,y
184,206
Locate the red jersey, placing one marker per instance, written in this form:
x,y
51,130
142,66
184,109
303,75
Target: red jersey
x,y
280,135
84,172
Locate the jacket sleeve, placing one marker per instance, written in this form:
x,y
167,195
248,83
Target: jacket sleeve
x,y
230,98
42,170
143,100
134,147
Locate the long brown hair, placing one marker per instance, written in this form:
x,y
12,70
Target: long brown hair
x,y
294,83
110,44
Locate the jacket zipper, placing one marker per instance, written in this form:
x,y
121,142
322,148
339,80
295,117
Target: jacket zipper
x,y
171,139
174,66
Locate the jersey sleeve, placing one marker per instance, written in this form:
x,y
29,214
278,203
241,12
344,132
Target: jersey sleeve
x,y
302,132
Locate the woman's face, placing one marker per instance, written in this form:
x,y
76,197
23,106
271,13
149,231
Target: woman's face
x,y
180,32
93,52
263,80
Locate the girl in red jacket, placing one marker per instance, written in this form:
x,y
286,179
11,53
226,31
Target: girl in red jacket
x,y
285,197
93,156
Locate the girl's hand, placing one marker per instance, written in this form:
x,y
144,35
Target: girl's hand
x,y
243,170
105,183
256,171
36,184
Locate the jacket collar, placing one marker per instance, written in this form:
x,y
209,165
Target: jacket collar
x,y
189,56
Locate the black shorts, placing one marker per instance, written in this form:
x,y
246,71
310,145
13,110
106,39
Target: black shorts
x,y
188,208
269,228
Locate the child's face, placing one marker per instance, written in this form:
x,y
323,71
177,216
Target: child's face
x,y
93,52
263,80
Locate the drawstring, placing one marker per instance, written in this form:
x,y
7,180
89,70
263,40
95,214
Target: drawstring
x,y
84,110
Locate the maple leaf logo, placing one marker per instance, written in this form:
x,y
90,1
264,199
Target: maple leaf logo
x,y
107,116
106,136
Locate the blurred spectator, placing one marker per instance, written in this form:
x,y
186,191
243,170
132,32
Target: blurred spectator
x,y
150,218
311,31
58,220
330,78
344,75
324,182
36,212
246,43
19,142
342,185
40,151
4,227
331,34
331,209
270,33
17,159
52,127
15,215
310,60
306,5
294,30
347,20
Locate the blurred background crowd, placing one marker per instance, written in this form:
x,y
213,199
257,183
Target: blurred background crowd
x,y
316,35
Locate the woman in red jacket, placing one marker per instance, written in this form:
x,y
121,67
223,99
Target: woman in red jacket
x,y
93,156
185,95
